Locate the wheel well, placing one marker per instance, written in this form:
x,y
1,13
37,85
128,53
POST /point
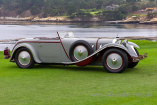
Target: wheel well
x,y
13,56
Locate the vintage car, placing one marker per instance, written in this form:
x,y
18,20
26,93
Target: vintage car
x,y
114,55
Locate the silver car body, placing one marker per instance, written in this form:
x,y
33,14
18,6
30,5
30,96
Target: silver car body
x,y
56,50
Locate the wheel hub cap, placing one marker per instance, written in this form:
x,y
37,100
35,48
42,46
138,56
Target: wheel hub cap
x,y
114,61
80,52
24,58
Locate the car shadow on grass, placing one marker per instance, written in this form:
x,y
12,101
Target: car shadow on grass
x,y
48,67
78,68
70,67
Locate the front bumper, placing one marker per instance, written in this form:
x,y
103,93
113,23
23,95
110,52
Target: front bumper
x,y
140,57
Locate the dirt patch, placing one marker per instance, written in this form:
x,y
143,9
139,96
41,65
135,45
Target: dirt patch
x,y
25,14
7,13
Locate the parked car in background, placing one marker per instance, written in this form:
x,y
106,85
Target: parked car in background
x,y
113,54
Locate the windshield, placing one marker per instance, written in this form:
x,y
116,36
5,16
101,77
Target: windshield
x,y
66,34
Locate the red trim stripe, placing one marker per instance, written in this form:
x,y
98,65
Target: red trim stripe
x,y
97,43
34,42
38,42
63,47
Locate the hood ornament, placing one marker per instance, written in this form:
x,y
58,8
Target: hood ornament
x,y
117,36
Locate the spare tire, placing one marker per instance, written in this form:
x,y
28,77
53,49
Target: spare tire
x,y
79,50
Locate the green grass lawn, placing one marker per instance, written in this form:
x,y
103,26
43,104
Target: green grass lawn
x,y
72,85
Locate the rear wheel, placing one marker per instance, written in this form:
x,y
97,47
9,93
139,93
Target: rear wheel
x,y
115,60
24,58
133,64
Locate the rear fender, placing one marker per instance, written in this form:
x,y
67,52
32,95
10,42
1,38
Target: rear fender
x,y
28,46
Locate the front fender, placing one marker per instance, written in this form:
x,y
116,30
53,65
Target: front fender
x,y
133,44
131,50
26,45
110,45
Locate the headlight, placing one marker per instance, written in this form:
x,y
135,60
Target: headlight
x,y
119,42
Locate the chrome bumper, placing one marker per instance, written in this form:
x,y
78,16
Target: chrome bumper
x,y
140,57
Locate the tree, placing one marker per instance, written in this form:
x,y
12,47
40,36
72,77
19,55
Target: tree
x,y
111,15
73,8
35,10
129,1
82,14
123,9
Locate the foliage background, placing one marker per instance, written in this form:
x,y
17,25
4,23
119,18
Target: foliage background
x,y
73,8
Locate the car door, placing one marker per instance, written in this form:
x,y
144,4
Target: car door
x,y
50,52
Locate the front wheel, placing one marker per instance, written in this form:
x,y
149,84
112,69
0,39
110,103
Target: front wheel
x,y
24,58
115,60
